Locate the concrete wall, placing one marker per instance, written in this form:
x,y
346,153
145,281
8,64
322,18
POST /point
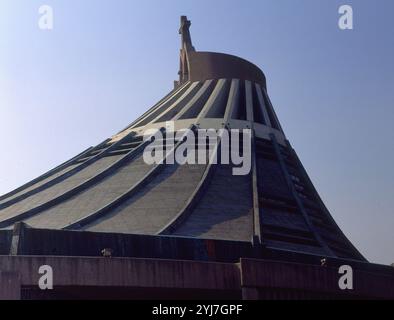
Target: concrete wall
x,y
75,243
256,279
19,271
5,241
212,65
302,281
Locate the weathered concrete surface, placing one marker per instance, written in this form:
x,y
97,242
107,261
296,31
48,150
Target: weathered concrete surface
x,y
253,279
10,285
259,275
37,242
17,271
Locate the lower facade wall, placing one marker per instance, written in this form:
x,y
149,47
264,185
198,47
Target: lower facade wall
x,y
135,278
263,279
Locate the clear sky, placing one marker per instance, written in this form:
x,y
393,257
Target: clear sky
x,y
106,62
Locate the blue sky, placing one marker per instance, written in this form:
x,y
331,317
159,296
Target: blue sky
x,y
106,62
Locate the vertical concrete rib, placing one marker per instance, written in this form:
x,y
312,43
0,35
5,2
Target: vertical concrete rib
x,y
232,100
188,208
249,101
47,174
300,205
257,219
262,104
320,201
155,107
270,106
144,118
67,174
41,185
217,92
129,193
204,90
190,90
257,233
31,212
237,104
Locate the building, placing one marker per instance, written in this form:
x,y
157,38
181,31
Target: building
x,y
110,225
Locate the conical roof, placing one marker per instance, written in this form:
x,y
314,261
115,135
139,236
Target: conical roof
x,y
110,188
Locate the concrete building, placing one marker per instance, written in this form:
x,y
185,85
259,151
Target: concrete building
x,y
110,225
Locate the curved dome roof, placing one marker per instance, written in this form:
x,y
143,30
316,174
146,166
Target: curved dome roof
x,y
110,188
